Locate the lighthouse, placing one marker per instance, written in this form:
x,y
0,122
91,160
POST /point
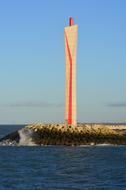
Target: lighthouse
x,y
71,34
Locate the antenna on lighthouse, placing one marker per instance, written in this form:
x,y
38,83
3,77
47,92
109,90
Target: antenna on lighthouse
x,y
71,21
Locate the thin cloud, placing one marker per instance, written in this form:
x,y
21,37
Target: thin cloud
x,y
60,105
33,104
117,104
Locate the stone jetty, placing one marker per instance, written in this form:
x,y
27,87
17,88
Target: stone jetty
x,y
83,134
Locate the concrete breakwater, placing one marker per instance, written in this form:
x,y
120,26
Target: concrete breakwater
x,y
83,134
59,134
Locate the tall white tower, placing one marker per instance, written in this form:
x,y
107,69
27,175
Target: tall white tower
x,y
71,33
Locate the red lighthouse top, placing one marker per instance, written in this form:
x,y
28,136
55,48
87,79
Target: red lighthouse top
x,y
71,21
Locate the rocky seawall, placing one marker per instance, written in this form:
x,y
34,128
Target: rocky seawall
x,y
83,134
59,134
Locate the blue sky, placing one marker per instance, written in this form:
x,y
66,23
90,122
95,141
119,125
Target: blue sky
x,y
32,60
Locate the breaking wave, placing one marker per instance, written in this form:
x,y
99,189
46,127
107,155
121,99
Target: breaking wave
x,y
8,142
25,137
22,137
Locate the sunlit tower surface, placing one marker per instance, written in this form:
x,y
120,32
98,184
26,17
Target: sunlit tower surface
x,y
71,33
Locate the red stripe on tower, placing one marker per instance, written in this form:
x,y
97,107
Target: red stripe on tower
x,y
70,84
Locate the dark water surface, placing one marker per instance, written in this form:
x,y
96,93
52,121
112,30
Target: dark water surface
x,y
6,129
65,168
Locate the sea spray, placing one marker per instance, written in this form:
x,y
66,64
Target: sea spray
x,y
11,139
26,137
8,142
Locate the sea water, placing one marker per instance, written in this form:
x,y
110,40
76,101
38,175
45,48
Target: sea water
x,y
61,167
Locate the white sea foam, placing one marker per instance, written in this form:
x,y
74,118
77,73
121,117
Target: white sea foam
x,y
26,137
92,144
105,144
8,142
